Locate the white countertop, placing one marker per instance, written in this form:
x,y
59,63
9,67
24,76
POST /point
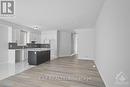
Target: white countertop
x,y
32,49
38,49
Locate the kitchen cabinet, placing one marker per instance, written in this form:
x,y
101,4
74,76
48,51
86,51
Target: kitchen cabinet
x,y
22,36
19,55
16,35
51,38
11,56
35,36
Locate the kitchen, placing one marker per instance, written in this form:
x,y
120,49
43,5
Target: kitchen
x,y
21,47
21,42
17,42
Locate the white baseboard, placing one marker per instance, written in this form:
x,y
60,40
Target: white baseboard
x,y
73,54
99,70
65,55
69,55
83,58
53,58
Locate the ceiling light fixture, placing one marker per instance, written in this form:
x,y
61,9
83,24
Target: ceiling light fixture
x,y
36,28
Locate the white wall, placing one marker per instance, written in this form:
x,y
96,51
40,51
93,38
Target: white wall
x,y
113,42
3,44
86,43
64,43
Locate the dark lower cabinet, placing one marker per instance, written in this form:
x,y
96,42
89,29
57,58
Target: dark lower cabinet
x,y
38,57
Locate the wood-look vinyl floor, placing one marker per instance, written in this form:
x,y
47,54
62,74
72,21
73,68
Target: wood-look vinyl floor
x,y
61,72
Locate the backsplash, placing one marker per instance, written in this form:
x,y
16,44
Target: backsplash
x,y
29,45
12,45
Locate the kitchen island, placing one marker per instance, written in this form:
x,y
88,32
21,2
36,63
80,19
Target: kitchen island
x,y
36,57
28,53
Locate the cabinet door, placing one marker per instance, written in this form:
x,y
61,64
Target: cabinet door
x,y
32,57
23,37
47,55
39,57
16,35
10,34
32,36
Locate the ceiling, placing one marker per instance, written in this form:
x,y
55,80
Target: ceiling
x,y
57,14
